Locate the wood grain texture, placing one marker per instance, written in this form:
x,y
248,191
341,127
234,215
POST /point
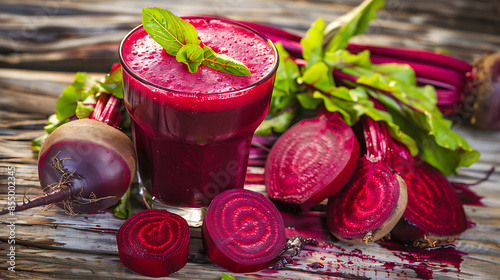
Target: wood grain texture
x,y
42,45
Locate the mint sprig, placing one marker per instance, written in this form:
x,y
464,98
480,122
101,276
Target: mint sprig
x,y
180,39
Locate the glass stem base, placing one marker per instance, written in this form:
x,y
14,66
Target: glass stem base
x,y
193,216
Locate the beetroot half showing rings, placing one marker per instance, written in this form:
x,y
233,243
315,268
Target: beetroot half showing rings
x,y
311,161
243,231
154,243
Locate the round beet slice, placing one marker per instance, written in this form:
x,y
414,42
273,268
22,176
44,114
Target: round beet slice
x,y
369,206
154,243
311,161
243,231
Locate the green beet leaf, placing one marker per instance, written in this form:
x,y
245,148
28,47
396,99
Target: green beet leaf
x,y
79,90
123,209
278,123
355,22
226,276
284,101
311,43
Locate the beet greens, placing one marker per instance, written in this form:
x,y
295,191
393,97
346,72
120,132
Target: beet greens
x,y
328,72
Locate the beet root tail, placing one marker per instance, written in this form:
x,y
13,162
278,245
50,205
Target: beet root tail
x,y
55,196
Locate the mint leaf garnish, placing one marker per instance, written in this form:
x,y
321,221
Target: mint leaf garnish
x,y
168,30
180,39
224,63
192,55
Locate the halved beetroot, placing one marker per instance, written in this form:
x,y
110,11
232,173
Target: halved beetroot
x,y
154,243
243,231
369,206
374,200
433,206
311,161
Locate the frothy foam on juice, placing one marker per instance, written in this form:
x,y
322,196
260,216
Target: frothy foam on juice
x,y
151,62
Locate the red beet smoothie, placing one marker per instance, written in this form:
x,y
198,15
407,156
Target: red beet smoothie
x,y
192,131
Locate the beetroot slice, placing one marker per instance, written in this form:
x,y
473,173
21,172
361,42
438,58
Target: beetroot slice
x,y
311,161
154,243
433,206
369,206
243,231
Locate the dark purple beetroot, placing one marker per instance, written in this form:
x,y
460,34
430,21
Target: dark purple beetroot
x,y
100,160
374,200
154,243
84,166
369,206
311,161
433,206
243,231
486,113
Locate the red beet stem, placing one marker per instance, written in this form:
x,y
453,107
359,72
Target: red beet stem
x,y
448,97
415,55
311,161
408,55
107,110
102,99
428,74
243,231
439,70
154,243
377,140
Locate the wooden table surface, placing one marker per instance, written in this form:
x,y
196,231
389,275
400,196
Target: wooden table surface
x,y
42,45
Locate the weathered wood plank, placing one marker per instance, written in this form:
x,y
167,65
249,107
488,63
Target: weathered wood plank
x,y
42,38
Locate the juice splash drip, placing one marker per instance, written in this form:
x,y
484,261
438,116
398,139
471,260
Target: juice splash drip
x,y
466,195
425,261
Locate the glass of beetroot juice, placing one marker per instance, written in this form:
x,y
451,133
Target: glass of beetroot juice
x,y
192,131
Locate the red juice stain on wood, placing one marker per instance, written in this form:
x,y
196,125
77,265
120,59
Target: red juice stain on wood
x,y
316,265
466,195
425,261
307,224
